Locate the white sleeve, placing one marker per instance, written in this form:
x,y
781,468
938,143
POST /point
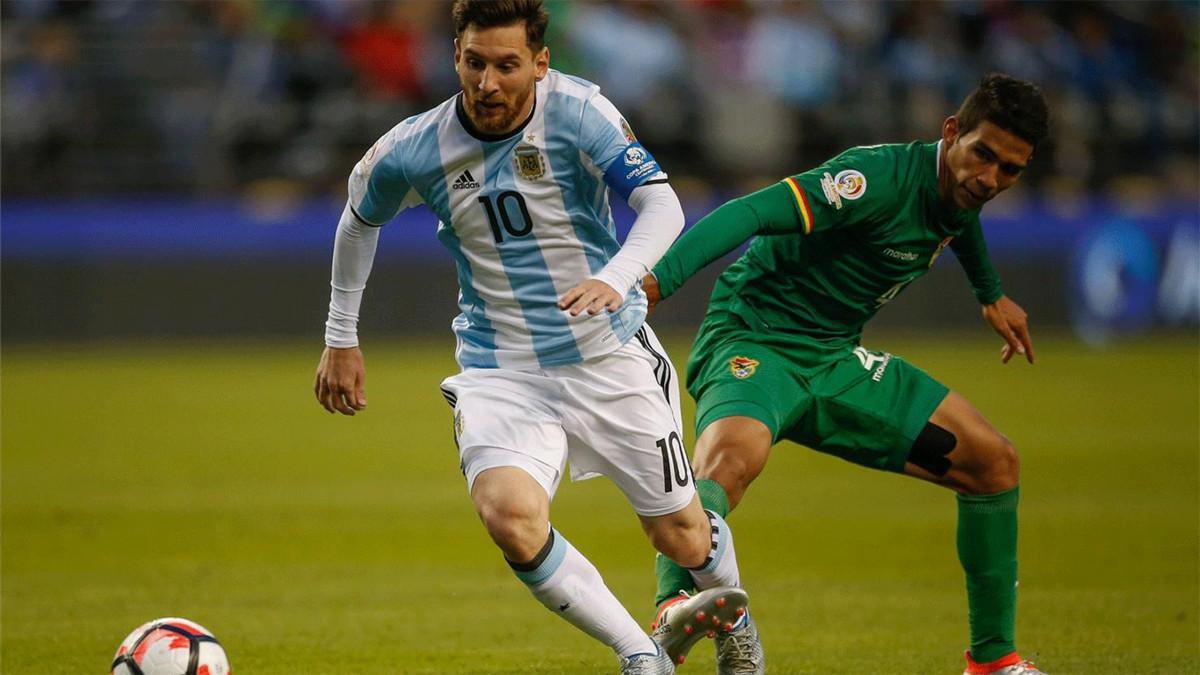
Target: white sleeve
x,y
353,254
659,221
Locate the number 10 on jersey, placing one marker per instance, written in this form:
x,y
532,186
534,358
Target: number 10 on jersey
x,y
500,215
676,470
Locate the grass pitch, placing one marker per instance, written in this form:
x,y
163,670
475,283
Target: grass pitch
x,y
204,481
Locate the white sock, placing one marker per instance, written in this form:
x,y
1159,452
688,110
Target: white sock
x,y
570,586
720,569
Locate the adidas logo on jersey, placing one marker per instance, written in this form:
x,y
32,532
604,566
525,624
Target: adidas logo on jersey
x,y
465,181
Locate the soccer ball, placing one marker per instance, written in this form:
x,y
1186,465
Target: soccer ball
x,y
170,646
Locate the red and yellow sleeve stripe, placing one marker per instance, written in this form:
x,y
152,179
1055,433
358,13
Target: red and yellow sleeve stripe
x,y
801,203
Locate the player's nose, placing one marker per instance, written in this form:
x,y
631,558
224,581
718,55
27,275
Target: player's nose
x,y
988,180
489,83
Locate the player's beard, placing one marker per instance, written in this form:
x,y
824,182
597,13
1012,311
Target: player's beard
x,y
497,119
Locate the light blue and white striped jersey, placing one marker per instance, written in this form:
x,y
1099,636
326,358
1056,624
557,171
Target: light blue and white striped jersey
x,y
525,216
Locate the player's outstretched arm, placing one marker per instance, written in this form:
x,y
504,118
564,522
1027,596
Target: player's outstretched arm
x,y
341,380
1011,323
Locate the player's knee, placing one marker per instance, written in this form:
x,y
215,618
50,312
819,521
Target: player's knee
x,y
517,525
687,541
1006,464
997,469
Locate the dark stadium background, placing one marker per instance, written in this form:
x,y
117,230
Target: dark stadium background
x,y
171,173
176,168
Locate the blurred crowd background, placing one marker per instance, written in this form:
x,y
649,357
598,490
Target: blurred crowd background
x,y
218,96
177,167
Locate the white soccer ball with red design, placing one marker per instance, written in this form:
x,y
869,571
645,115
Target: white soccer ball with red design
x,y
170,646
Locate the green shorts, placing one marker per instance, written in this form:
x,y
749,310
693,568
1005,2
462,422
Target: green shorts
x,y
865,407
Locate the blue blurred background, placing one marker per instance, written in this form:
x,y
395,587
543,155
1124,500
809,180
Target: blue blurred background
x,y
176,168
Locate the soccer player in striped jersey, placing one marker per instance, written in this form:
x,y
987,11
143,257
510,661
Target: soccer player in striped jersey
x,y
778,356
556,360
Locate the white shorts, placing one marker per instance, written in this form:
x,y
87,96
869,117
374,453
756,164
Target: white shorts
x,y
616,415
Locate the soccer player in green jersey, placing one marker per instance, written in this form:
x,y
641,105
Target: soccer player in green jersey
x,y
778,354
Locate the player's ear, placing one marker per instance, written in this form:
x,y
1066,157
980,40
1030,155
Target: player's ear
x,y
950,130
457,53
541,63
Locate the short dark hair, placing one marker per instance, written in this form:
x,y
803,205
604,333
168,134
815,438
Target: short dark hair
x,y
492,13
1014,105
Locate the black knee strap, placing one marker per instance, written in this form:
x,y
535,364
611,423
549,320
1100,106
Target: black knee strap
x,y
930,449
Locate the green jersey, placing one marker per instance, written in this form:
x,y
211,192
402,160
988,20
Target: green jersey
x,y
837,243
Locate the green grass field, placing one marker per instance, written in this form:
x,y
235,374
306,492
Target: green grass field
x,y
202,480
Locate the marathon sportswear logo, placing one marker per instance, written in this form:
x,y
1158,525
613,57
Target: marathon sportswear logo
x,y
465,181
742,367
873,361
900,255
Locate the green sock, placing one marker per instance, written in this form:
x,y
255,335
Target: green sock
x,y
671,577
987,549
713,497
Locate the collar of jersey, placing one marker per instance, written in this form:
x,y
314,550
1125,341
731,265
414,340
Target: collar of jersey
x,y
951,219
489,138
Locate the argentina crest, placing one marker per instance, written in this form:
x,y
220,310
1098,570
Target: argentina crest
x,y
529,162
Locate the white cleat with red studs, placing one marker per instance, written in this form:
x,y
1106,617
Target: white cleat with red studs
x,y
684,620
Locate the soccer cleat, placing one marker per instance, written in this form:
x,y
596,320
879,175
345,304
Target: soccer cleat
x,y
648,664
1012,664
682,621
739,650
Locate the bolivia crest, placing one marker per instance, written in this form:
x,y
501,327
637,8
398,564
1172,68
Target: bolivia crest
x,y
941,247
742,366
530,164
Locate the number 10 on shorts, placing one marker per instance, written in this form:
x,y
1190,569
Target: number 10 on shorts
x,y
676,470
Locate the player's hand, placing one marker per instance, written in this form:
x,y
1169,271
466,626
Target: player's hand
x,y
1011,323
593,296
341,377
653,294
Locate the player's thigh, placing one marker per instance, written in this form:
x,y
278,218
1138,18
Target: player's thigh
x,y
739,377
979,459
505,418
869,408
621,416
